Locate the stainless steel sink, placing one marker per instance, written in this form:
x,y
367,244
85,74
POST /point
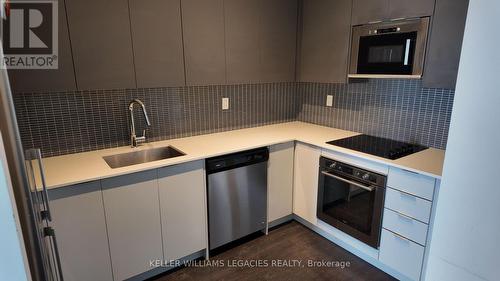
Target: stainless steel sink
x,y
142,156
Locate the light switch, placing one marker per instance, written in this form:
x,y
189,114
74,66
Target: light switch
x,y
329,100
225,103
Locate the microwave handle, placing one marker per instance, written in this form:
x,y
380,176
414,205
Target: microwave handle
x,y
369,188
407,51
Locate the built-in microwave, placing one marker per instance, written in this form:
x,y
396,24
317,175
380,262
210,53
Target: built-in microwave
x,y
393,49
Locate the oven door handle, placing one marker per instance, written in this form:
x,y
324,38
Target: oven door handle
x,y
369,188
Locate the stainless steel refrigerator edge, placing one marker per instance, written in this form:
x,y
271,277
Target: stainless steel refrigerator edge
x,y
38,236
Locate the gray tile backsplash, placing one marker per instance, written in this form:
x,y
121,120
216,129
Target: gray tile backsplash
x,y
396,109
71,122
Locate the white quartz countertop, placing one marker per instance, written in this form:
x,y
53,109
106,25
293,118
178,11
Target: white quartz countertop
x,y
87,166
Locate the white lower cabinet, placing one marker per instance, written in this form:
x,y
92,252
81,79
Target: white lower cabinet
x,y
305,184
80,227
401,254
280,181
405,226
407,213
133,220
183,209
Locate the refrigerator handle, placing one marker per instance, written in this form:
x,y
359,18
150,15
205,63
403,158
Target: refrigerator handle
x,y
36,154
58,275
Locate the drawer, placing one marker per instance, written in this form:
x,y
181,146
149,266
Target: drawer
x,y
407,204
405,226
401,254
413,183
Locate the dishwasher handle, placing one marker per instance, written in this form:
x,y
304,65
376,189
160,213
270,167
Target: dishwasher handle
x,y
236,160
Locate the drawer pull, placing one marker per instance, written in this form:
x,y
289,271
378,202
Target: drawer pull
x,y
405,218
408,196
401,238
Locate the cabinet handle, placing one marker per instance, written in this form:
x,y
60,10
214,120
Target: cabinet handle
x,y
401,238
407,196
405,218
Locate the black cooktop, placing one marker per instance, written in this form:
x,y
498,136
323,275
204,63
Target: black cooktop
x,y
381,147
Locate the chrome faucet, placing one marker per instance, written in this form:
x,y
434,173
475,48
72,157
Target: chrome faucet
x,y
134,139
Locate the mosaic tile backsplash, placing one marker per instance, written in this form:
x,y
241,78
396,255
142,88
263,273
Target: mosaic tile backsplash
x,y
71,122
396,109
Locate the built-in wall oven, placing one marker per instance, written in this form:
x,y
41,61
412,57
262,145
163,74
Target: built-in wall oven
x,y
351,199
389,49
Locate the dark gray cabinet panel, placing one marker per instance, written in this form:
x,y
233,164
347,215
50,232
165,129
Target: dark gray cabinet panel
x,y
101,43
365,11
203,31
242,30
157,42
45,80
410,8
445,44
325,41
278,40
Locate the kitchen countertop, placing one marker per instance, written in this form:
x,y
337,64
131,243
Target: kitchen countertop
x,y
87,166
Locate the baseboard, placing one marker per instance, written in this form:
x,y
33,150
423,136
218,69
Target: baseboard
x,y
280,221
165,269
351,249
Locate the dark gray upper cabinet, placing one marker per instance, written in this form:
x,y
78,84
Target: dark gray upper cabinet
x,y
445,44
365,11
278,40
157,42
101,43
410,8
45,80
203,31
325,41
242,41
260,40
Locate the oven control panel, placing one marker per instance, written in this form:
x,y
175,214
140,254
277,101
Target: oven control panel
x,y
335,166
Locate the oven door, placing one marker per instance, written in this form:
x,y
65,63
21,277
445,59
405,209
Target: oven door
x,y
350,206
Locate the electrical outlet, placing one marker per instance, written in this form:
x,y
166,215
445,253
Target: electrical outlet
x,y
329,100
225,103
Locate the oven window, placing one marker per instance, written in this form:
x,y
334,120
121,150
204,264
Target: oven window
x,y
348,204
387,54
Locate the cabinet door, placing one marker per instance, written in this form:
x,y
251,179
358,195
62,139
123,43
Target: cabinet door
x,y
157,41
278,40
203,31
280,181
410,8
101,43
325,41
79,223
445,44
305,184
49,80
365,11
242,41
132,211
183,209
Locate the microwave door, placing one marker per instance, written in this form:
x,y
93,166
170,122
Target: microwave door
x,y
391,54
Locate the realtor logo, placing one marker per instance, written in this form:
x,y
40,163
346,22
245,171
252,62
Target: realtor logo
x,y
29,35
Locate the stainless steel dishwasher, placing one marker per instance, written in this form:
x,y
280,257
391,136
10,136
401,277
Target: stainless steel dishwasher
x,y
237,195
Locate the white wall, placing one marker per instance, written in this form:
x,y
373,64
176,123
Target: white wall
x,y
12,260
466,236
